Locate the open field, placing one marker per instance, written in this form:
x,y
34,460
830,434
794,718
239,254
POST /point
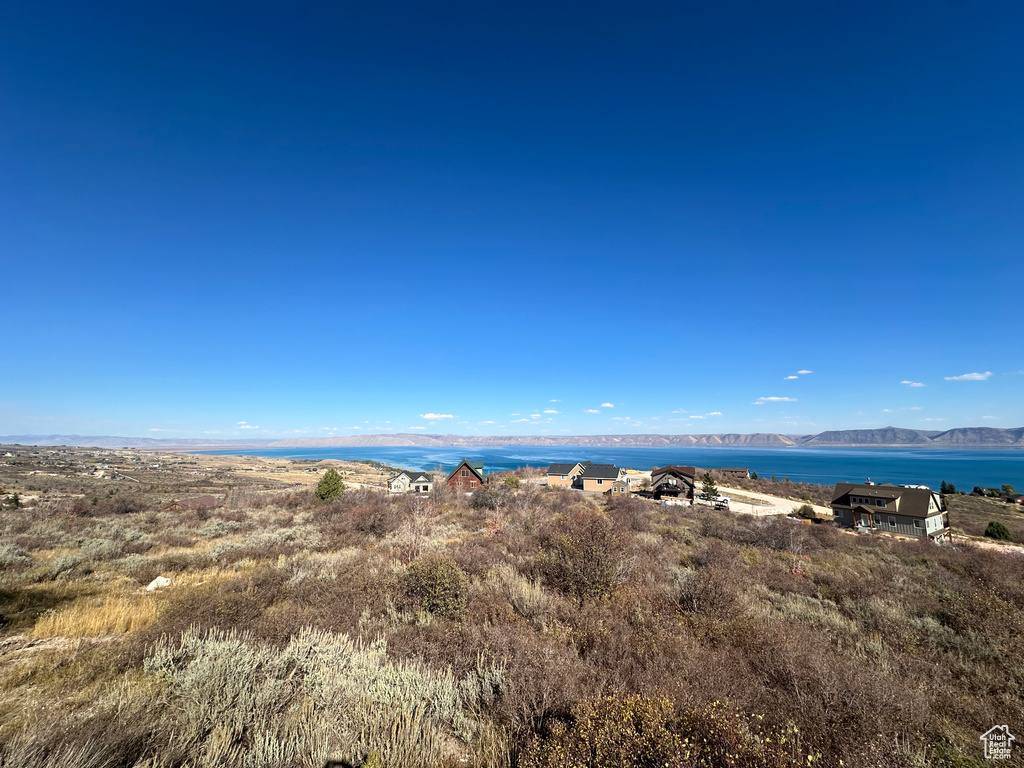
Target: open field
x,y
523,626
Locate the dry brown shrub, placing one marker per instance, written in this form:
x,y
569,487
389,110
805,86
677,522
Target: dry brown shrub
x,y
582,554
361,513
237,603
631,514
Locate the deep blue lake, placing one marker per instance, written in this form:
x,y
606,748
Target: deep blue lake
x,y
965,468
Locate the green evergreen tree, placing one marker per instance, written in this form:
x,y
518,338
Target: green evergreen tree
x,y
807,512
15,501
1008,491
708,489
998,531
330,486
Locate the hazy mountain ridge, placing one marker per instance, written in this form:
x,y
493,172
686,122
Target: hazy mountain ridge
x,y
963,437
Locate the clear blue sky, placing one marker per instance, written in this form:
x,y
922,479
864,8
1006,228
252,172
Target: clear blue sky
x,y
304,218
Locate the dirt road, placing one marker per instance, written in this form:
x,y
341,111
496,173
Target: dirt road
x,y
776,504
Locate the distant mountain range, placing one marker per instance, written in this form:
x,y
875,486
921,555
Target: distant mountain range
x,y
962,437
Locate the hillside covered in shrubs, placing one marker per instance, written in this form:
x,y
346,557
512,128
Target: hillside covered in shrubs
x,y
518,627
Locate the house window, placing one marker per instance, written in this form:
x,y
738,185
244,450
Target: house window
x,y
879,502
464,473
564,477
472,483
919,523
600,482
892,522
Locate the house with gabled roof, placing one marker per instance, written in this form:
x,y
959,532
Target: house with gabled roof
x,y
466,477
599,477
410,481
673,480
620,488
908,511
735,473
566,475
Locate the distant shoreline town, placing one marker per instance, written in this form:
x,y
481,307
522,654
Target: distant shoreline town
x,y
886,437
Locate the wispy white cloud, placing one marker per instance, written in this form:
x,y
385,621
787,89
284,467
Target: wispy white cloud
x,y
763,400
607,405
989,417
970,376
910,383
485,422
244,425
435,416
513,414
916,408
804,372
520,421
554,400
678,410
790,377
591,410
935,419
417,427
534,415
550,410
355,427
704,415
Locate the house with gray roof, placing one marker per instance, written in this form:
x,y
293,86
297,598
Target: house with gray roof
x,y
599,477
408,481
908,511
566,475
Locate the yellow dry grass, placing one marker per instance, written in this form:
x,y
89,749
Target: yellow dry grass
x,y
196,578
94,616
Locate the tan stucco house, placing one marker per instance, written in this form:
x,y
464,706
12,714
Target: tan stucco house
x,y
599,477
566,475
